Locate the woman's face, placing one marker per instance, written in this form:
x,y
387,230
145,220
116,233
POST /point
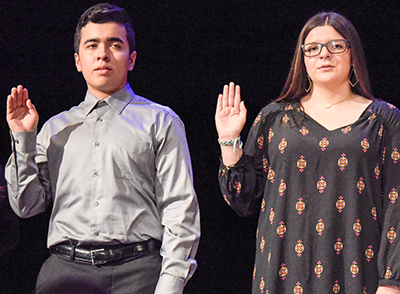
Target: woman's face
x,y
327,69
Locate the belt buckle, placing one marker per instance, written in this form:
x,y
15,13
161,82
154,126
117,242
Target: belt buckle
x,y
93,256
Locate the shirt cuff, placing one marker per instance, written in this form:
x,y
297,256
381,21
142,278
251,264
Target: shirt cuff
x,y
24,142
168,284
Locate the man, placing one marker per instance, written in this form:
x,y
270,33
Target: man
x,y
117,171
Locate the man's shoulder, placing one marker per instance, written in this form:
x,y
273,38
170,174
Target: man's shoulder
x,y
65,117
140,100
155,107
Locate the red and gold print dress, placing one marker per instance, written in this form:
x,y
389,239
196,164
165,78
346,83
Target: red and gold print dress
x,y
328,200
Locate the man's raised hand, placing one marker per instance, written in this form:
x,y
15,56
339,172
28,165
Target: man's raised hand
x,y
21,113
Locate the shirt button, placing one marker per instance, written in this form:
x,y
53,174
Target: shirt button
x,y
96,233
95,174
16,142
96,203
99,119
97,144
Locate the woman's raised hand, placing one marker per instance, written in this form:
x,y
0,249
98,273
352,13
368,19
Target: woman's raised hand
x,y
21,113
230,115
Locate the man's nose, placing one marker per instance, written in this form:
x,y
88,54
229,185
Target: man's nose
x,y
103,53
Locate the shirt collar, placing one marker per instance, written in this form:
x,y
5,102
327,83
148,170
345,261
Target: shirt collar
x,y
117,101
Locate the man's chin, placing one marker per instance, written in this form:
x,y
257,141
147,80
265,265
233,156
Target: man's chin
x,y
103,90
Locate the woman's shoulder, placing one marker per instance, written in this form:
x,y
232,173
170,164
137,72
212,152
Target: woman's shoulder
x,y
278,107
274,110
384,111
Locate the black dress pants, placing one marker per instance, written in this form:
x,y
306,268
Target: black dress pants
x,y
61,276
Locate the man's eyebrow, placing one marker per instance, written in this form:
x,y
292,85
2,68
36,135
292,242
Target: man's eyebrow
x,y
111,39
92,40
115,39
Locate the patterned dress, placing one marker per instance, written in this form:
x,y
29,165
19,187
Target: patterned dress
x,y
328,200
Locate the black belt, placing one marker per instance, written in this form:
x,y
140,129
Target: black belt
x,y
106,254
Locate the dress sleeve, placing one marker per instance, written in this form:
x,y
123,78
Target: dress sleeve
x,y
28,182
177,206
389,252
242,185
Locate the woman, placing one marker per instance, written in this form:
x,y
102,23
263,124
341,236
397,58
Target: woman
x,y
321,164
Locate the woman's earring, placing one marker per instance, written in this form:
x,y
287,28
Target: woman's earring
x,y
310,84
353,75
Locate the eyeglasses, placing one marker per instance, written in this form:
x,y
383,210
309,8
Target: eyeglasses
x,y
334,47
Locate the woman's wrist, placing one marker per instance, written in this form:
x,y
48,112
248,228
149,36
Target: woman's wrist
x,y
236,143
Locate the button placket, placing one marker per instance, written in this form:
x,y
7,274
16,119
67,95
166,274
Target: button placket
x,y
98,137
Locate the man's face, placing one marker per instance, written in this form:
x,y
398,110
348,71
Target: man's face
x,y
104,58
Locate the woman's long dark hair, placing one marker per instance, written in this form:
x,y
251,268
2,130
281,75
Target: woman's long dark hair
x,y
297,81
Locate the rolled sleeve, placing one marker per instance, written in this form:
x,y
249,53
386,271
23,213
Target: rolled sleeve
x,y
169,284
178,209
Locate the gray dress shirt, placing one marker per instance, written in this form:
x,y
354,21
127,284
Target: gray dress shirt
x,y
116,170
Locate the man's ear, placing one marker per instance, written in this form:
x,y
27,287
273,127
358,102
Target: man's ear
x,y
78,62
132,60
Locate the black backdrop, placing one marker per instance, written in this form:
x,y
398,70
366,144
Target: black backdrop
x,y
187,51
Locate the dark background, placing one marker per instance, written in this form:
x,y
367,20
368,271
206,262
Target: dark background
x,y
187,51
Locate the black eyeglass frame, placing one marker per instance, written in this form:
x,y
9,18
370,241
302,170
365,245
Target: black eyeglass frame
x,y
320,45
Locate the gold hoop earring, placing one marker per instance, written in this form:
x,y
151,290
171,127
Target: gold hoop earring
x,y
310,84
353,71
